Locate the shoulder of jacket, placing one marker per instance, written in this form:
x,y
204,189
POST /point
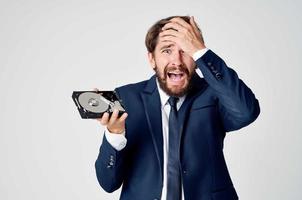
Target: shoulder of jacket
x,y
139,86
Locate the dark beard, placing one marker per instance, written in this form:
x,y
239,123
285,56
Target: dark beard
x,y
163,84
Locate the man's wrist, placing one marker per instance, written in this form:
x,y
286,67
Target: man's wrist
x,y
199,53
117,141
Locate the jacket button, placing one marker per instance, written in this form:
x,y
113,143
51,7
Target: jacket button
x,y
218,76
209,63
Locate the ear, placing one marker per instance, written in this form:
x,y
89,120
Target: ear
x,y
151,60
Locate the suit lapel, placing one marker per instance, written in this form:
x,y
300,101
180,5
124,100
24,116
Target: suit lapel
x,y
198,87
152,106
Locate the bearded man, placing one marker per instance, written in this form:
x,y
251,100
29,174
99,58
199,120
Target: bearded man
x,y
169,144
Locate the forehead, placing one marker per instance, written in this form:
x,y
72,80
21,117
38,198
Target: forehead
x,y
165,44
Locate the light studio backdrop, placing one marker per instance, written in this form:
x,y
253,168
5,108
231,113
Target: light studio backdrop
x,y
50,48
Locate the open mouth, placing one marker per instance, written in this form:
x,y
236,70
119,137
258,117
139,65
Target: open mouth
x,y
176,76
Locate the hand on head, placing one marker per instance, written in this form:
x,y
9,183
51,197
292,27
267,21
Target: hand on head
x,y
186,35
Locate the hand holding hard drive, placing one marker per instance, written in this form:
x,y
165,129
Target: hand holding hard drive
x,y
105,106
114,123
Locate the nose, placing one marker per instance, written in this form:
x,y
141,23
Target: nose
x,y
176,58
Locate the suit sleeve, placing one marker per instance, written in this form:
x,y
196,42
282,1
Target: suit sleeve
x,y
238,106
109,166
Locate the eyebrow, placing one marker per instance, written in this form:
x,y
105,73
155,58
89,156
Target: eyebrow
x,y
166,46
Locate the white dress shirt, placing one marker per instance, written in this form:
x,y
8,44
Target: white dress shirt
x,y
119,141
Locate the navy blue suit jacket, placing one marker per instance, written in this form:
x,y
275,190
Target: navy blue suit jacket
x,y
218,103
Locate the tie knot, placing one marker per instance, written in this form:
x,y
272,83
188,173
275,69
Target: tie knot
x,y
172,101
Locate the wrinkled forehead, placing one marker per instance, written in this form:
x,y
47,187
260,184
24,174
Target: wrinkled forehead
x,y
162,44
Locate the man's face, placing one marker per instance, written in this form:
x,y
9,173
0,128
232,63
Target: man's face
x,y
173,67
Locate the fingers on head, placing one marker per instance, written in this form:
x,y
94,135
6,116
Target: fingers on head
x,y
180,22
194,24
176,27
195,27
168,32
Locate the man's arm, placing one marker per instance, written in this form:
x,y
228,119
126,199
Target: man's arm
x,y
109,167
110,164
237,103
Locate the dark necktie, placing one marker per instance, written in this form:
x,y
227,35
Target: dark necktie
x,y
173,171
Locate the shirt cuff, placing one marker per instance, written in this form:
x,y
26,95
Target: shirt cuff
x,y
199,53
117,141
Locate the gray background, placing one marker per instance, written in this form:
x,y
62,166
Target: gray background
x,y
50,48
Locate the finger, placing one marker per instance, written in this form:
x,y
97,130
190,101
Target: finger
x,y
175,26
195,28
181,22
105,118
169,32
123,117
193,23
113,116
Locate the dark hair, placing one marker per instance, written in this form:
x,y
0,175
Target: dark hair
x,y
152,34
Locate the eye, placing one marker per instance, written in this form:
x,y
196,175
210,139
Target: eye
x,y
167,51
